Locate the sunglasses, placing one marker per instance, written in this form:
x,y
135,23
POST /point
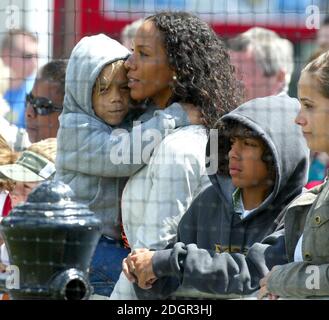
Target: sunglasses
x,y
41,105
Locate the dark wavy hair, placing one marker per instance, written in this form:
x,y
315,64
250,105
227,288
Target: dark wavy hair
x,y
205,76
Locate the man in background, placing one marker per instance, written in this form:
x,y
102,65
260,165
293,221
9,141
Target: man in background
x,y
129,31
264,62
45,101
15,137
19,52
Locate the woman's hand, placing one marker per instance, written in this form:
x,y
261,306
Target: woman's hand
x,y
128,271
138,268
263,292
128,265
193,113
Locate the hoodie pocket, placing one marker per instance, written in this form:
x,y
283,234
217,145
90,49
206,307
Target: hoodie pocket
x,y
96,200
105,202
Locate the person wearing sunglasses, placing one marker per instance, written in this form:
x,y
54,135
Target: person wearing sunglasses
x,y
45,102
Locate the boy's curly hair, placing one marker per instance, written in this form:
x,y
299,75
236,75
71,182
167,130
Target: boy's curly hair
x,y
205,76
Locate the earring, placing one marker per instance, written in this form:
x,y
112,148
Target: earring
x,y
174,77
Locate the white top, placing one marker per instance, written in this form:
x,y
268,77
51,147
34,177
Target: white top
x,y
157,196
298,255
3,196
4,257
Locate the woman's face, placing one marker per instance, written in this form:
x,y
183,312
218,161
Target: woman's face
x,y
314,114
149,73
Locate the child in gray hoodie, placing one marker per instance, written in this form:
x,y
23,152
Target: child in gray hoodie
x,y
97,101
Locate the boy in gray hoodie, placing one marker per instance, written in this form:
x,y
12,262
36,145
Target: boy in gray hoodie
x,y
262,166
97,101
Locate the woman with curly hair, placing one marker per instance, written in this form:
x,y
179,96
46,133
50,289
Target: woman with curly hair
x,y
176,58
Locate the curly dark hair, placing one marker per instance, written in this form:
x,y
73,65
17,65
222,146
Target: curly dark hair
x,y
205,76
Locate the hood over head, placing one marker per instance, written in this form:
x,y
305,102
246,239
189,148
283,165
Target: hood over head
x,y
273,119
87,60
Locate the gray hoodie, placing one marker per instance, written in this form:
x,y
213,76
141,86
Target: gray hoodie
x,y
85,141
212,253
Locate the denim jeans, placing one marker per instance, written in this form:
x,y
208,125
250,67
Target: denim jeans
x,y
106,265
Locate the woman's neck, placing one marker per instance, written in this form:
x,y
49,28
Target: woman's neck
x,y
162,100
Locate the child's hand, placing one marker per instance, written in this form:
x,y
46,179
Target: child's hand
x,y
193,113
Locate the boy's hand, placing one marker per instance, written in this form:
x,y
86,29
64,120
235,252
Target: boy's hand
x,y
193,113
